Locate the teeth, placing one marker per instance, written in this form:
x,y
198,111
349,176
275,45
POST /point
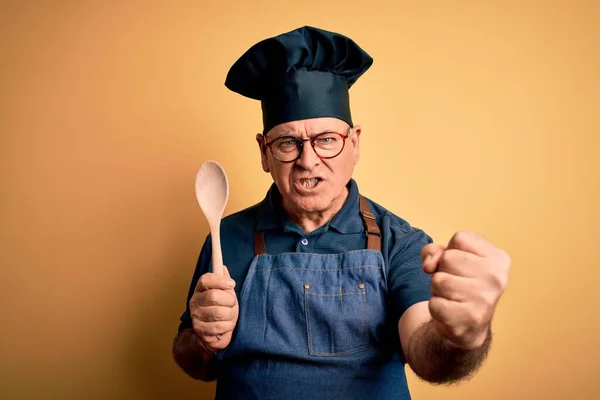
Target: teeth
x,y
309,183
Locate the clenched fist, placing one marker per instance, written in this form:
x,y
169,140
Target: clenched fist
x,y
467,279
214,309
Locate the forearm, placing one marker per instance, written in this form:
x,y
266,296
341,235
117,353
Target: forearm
x,y
435,362
192,356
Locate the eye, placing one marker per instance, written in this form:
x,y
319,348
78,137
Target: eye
x,y
326,139
287,142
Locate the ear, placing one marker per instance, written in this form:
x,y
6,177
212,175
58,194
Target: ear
x,y
355,140
260,139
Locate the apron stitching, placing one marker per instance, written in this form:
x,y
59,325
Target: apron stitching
x,y
336,294
308,319
340,353
266,322
365,324
323,255
314,268
366,315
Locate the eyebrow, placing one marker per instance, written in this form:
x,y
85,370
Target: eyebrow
x,y
291,134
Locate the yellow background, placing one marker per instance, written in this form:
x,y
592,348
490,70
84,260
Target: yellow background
x,y
476,115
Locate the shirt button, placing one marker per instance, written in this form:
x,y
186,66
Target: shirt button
x,y
304,241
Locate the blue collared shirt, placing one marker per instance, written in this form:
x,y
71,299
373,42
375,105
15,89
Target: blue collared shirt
x,y
401,245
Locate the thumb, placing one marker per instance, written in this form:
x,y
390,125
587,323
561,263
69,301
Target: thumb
x,y
430,255
230,281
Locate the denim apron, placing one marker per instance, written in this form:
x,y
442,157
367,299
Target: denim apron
x,y
313,326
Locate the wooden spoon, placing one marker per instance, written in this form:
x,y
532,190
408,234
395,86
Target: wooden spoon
x,y
212,192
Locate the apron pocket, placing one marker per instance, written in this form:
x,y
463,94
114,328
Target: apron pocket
x,y
336,320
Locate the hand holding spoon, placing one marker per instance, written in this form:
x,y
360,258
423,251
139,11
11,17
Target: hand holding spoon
x,y
212,192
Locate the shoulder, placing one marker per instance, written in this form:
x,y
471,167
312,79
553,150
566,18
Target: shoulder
x,y
236,230
396,228
241,220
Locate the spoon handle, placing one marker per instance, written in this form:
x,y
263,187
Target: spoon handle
x,y
217,256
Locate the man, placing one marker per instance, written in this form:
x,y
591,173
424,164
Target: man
x,y
327,294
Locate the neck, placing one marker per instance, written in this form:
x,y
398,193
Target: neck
x,y
310,221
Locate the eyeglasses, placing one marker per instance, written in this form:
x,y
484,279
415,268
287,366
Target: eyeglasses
x,y
326,145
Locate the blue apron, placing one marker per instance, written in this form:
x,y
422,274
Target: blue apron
x,y
314,326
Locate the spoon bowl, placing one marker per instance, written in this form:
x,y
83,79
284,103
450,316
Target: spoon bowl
x,y
212,193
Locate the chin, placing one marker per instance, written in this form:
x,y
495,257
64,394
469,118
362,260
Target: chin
x,y
312,204
315,202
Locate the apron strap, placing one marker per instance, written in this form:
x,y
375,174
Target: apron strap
x,y
371,230
259,243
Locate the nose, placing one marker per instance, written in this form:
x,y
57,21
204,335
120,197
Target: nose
x,y
308,158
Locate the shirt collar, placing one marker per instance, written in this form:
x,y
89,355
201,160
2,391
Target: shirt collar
x,y
347,220
271,215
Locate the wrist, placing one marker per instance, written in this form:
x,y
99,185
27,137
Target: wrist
x,y
471,341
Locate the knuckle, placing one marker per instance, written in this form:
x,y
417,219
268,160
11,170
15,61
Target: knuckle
x,y
446,258
505,259
458,331
435,307
428,248
489,300
486,299
499,280
437,281
228,314
229,301
437,302
503,279
212,297
202,283
460,238
475,319
228,326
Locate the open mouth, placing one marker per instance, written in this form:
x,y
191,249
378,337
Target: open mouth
x,y
309,183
